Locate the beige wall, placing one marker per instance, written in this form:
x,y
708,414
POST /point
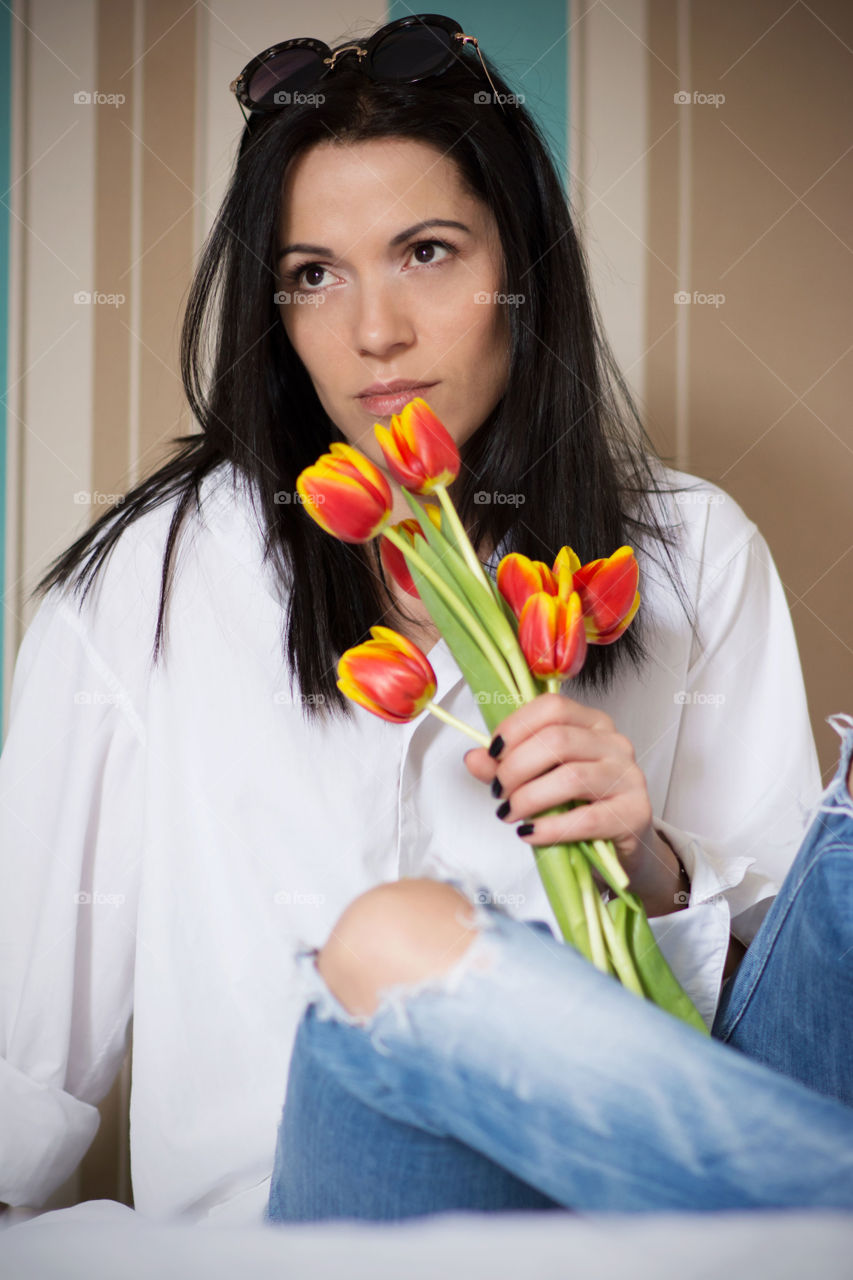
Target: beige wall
x,y
750,199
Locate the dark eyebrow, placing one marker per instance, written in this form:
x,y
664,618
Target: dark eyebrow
x,y
324,252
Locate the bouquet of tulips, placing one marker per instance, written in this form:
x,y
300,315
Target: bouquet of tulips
x,y
513,638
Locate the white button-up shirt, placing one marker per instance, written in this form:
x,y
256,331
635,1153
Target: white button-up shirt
x,y
169,835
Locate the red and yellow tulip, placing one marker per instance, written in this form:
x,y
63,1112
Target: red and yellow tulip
x,y
346,494
551,634
607,588
609,595
393,560
419,450
388,674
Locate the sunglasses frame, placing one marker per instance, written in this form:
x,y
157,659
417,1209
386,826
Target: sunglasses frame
x,y
363,51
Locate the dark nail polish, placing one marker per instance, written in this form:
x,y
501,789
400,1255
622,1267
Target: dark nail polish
x,y
526,829
497,789
503,809
496,746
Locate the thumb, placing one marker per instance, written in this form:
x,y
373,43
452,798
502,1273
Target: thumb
x,y
480,764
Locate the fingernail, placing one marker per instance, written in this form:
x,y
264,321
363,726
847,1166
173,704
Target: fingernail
x,y
502,809
497,789
526,829
496,746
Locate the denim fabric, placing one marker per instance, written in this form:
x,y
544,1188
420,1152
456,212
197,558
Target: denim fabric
x,y
525,1078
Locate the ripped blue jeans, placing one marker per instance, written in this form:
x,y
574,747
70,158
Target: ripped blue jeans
x,y
524,1078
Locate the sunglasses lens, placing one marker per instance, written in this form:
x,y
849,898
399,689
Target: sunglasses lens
x,y
413,52
290,71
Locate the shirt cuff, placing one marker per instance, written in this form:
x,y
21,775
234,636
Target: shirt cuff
x,y
694,941
46,1133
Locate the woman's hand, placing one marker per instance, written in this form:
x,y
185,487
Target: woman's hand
x,y
555,750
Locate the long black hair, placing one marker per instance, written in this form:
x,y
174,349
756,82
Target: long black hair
x,y
565,440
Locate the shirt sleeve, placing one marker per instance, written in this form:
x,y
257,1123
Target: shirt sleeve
x,y
70,809
745,775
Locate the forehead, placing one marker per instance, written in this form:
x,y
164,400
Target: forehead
x,y
385,182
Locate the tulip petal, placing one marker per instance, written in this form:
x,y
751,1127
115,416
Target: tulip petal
x,y
419,451
519,577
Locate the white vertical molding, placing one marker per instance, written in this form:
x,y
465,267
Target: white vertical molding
x,y
575,187
135,273
611,139
12,610
58,334
203,34
685,185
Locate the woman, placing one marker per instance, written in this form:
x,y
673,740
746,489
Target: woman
x,y
193,821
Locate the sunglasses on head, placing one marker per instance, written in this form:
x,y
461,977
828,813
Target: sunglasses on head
x,y
403,52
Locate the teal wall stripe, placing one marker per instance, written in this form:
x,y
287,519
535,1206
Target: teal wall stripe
x,y
5,183
529,44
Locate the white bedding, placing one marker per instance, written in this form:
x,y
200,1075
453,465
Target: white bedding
x,y
102,1240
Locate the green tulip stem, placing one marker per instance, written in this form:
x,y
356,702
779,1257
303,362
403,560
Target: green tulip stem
x,y
482,738
459,607
462,539
620,955
503,633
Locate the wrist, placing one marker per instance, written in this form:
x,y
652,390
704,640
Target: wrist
x,y
672,892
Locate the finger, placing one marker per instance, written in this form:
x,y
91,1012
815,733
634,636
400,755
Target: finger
x,y
480,764
579,780
600,820
550,747
546,708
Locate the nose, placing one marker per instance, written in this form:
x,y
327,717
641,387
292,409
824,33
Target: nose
x,y
382,322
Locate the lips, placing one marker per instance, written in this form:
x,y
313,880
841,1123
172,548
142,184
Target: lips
x,y
384,398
